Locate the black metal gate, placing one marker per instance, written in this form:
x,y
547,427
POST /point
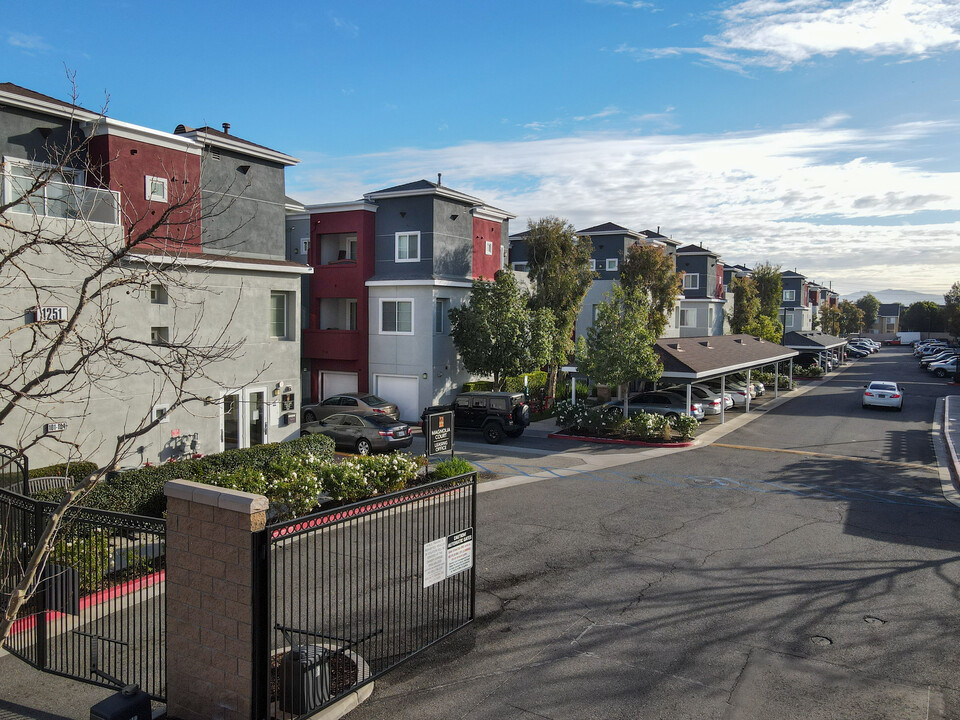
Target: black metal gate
x,y
349,594
13,470
98,608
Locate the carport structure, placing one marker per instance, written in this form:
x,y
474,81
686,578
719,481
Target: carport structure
x,y
696,359
812,341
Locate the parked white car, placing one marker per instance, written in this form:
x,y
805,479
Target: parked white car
x,y
882,393
944,367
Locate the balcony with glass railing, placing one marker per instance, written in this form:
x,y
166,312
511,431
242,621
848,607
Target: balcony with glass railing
x,y
52,198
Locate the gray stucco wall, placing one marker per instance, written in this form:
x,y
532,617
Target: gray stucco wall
x,y
417,216
21,138
252,204
452,239
210,301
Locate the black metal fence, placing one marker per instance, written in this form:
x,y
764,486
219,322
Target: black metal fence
x,y
13,470
98,610
351,593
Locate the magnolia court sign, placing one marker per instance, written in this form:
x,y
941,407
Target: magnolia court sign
x,y
439,433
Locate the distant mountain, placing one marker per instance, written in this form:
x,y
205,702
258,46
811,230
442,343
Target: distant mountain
x,y
891,296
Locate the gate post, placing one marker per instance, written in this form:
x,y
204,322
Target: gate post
x,y
210,600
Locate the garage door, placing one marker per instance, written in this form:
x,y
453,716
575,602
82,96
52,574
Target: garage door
x,y
334,383
404,392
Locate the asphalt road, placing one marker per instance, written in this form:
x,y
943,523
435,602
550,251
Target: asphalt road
x,y
805,568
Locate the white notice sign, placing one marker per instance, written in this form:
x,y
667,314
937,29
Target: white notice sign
x,y
447,556
434,562
460,552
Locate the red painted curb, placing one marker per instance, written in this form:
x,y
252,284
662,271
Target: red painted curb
x,y
94,599
615,441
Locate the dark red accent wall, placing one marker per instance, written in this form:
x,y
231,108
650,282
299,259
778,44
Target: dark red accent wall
x,y
485,266
123,164
341,280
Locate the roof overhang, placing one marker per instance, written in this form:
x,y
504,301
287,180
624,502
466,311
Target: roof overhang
x,y
350,206
227,263
485,212
46,107
242,148
116,128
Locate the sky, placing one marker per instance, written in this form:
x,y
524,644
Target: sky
x,y
820,135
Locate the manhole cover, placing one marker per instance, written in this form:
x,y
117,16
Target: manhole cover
x,y
871,620
821,640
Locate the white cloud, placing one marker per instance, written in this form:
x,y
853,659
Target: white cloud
x,y
606,112
819,197
631,4
345,26
29,43
781,33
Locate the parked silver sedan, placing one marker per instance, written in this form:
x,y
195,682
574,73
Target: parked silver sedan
x,y
661,402
710,400
362,434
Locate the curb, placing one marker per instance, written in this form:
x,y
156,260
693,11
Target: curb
x,y
617,441
948,467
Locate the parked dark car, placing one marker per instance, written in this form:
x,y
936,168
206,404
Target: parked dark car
x,y
495,414
362,434
350,402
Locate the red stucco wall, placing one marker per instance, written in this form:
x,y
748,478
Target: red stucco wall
x,y
485,266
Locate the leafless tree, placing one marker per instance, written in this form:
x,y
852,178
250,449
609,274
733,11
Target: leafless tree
x,y
53,254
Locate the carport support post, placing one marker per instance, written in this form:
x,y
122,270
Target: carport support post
x,y
723,399
747,406
690,398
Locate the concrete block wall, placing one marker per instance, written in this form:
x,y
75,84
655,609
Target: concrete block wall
x,y
209,600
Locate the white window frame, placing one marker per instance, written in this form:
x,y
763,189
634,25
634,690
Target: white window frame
x,y
788,321
488,247
158,337
789,295
396,246
440,309
596,309
380,316
164,412
158,294
688,313
286,315
520,266
148,181
304,246
593,264
695,284
612,264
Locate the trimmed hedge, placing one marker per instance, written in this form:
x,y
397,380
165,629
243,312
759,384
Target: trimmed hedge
x,y
76,471
140,491
535,380
478,385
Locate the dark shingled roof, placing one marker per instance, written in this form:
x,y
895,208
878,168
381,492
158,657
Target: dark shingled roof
x,y
811,340
889,310
606,227
520,235
792,273
219,134
17,90
701,358
695,249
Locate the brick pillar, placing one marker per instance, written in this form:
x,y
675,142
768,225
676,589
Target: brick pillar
x,y
209,600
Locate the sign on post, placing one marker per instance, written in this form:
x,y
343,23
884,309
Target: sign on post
x,y
440,433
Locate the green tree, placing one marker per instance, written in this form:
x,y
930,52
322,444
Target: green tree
x,y
746,304
769,288
766,328
619,345
830,320
558,262
648,269
951,310
851,318
924,316
870,306
497,333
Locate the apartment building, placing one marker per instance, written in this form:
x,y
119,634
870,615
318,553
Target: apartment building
x,y
704,309
388,269
212,272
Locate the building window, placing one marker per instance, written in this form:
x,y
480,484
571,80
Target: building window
x,y
396,317
155,188
789,295
688,318
520,266
351,319
788,320
488,247
408,247
691,281
304,246
158,294
612,264
440,310
593,264
161,413
710,316
278,315
596,310
160,335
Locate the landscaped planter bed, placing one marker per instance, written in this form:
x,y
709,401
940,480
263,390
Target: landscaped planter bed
x,y
574,435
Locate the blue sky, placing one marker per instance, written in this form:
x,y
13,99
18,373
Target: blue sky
x,y
818,134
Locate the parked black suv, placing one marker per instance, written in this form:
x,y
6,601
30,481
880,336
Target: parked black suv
x,y
495,414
